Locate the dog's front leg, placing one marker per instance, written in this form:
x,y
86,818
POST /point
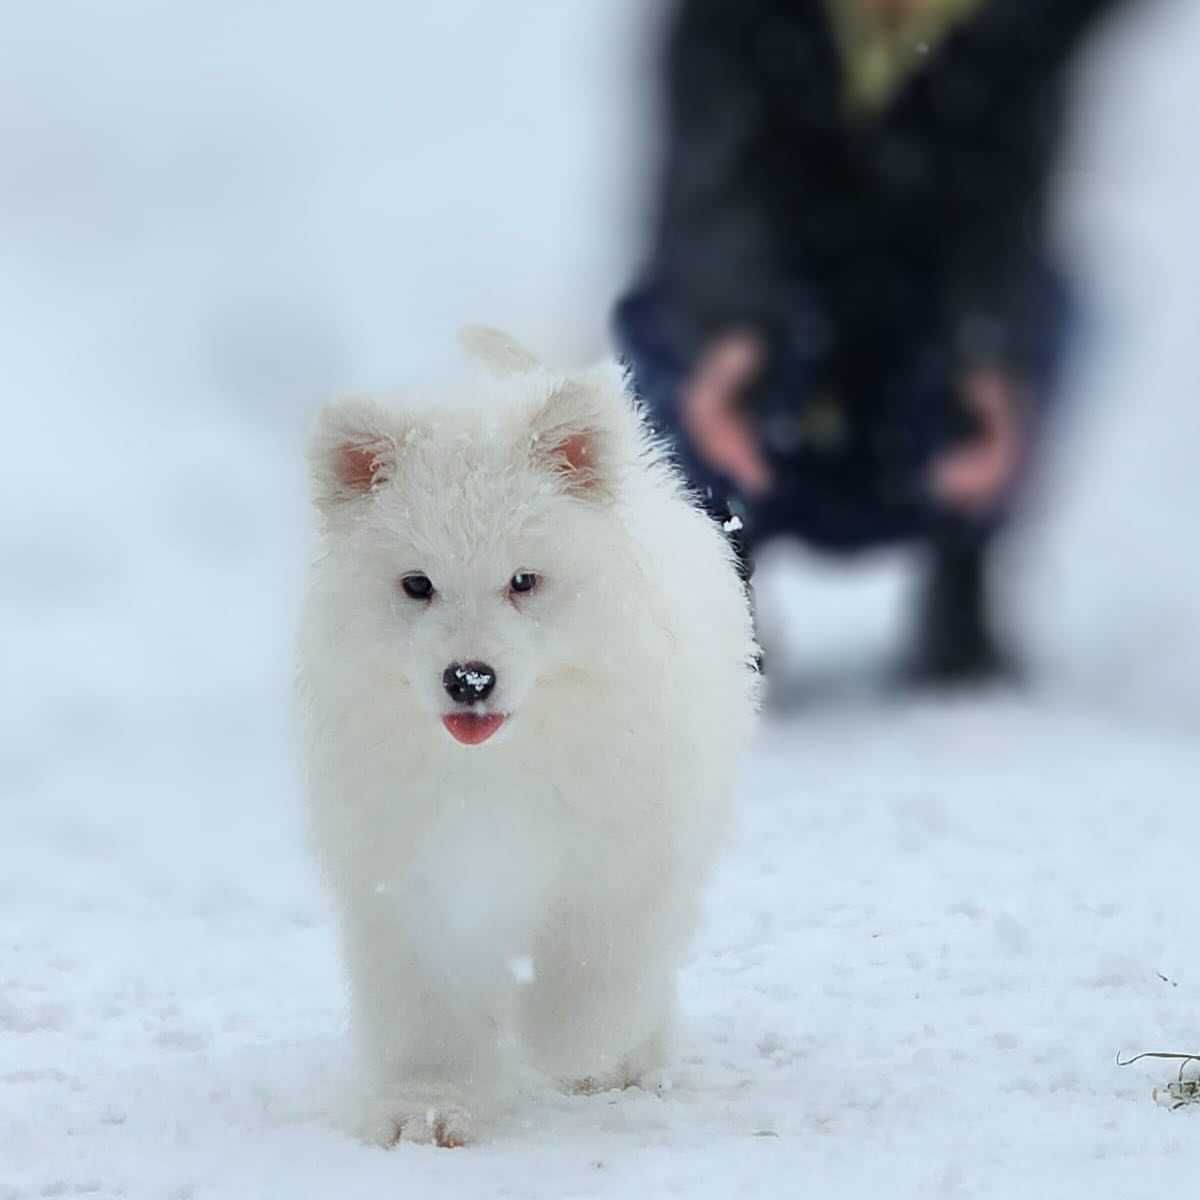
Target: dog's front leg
x,y
598,1014
426,1028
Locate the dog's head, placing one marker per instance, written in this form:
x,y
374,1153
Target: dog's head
x,y
471,544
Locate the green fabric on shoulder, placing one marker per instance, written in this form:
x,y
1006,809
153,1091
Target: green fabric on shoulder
x,y
882,42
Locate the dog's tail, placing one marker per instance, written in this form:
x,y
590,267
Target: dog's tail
x,y
497,351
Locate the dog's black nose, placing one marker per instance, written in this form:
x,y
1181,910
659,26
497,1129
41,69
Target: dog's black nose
x,y
469,682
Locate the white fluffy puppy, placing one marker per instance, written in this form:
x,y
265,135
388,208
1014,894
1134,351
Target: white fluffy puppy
x,y
525,678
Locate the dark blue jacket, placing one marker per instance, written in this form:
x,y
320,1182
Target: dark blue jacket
x,y
927,216
878,253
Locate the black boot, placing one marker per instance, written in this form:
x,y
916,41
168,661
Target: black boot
x,y
955,641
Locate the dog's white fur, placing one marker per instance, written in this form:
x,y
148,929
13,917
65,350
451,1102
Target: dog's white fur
x,y
537,891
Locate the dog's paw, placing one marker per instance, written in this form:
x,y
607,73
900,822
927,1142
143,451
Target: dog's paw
x,y
414,1119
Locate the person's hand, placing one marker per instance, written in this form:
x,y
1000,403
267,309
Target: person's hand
x,y
712,413
973,477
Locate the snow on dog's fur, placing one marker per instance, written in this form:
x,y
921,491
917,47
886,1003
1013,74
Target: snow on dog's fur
x,y
529,894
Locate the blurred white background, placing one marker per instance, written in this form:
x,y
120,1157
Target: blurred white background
x,y
215,215
212,217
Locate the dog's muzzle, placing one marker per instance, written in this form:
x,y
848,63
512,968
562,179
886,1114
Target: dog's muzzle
x,y
468,684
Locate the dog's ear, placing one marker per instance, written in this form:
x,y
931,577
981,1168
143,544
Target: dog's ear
x,y
501,354
576,434
352,451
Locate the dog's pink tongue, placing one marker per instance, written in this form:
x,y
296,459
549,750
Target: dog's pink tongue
x,y
472,728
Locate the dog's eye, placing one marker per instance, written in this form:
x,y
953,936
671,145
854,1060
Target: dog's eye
x,y
523,581
417,587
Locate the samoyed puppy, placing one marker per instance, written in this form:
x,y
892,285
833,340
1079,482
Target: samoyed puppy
x,y
525,677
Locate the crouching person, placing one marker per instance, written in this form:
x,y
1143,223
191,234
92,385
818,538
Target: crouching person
x,y
850,324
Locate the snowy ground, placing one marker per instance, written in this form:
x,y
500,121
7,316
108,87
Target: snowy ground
x,y
940,922
939,927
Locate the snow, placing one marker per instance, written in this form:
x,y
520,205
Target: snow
x,y
522,968
938,928
475,680
941,921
